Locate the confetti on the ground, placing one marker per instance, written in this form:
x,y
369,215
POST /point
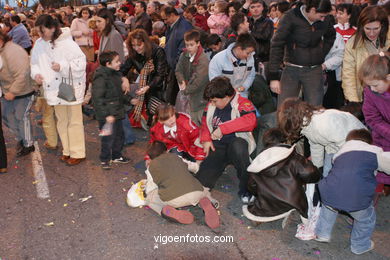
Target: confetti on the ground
x,y
65,204
34,182
241,222
242,238
219,213
317,252
147,207
85,199
50,224
71,194
48,200
123,189
248,227
15,167
123,179
275,258
73,221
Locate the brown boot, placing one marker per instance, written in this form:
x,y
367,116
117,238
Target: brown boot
x,y
64,158
74,161
175,215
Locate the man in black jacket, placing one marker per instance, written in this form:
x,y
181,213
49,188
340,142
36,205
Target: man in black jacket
x,y
305,35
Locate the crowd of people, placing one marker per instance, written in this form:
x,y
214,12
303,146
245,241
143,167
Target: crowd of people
x,y
294,94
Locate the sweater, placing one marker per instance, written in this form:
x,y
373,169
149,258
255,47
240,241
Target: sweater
x,y
327,131
172,177
19,35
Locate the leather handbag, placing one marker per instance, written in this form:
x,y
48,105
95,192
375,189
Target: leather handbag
x,y
66,89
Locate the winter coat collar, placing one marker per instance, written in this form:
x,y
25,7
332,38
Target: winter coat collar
x,y
195,61
270,156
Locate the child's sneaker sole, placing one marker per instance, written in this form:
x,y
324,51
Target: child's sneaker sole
x,y
175,215
210,213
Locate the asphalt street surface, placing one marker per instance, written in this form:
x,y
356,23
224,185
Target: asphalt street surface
x,y
86,216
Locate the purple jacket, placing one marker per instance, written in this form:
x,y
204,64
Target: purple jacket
x,y
376,110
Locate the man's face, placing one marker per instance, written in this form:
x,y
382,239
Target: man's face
x,y
220,103
138,9
256,9
314,16
168,19
150,9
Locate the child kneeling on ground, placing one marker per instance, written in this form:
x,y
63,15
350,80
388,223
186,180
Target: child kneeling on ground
x,y
170,185
350,187
277,178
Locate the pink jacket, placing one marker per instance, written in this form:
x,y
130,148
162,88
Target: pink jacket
x,y
218,23
78,27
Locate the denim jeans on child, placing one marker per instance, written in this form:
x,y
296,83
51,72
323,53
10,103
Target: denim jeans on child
x,y
111,145
363,226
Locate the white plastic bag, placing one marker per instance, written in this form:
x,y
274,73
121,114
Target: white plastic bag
x,y
135,195
306,231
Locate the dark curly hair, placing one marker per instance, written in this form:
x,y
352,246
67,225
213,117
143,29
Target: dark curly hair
x,y
47,21
293,114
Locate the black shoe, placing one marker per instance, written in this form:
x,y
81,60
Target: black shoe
x,y
25,151
19,146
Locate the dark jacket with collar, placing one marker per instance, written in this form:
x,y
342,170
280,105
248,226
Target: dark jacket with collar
x,y
277,178
298,42
262,30
107,95
156,79
175,40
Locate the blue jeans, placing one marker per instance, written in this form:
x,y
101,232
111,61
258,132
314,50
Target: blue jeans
x,y
363,226
16,116
327,164
129,135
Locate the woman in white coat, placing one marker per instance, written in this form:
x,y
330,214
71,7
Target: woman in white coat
x,y
54,55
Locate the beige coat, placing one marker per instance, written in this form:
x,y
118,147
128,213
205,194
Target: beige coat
x,y
353,59
15,70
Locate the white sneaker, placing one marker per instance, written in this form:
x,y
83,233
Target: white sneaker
x,y
244,199
322,240
121,160
371,248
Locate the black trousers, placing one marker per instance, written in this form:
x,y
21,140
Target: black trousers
x,y
236,153
112,145
3,150
334,96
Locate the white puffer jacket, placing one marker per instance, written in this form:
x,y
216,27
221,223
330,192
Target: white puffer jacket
x,y
67,53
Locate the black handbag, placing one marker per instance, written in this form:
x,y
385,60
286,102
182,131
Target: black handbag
x,y
66,90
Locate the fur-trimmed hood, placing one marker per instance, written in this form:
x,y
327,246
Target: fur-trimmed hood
x,y
270,157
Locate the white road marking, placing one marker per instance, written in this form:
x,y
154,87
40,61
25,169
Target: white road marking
x,y
39,174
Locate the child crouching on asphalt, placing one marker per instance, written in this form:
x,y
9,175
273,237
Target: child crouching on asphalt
x,y
277,180
350,187
170,185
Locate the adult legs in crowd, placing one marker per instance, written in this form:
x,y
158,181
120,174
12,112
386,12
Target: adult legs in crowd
x,y
3,150
71,131
16,116
311,80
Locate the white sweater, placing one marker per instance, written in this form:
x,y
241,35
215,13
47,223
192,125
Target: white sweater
x,y
327,131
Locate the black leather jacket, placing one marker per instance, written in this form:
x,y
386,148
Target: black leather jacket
x,y
156,80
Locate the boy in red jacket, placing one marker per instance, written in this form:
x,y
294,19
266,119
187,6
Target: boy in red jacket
x,y
226,134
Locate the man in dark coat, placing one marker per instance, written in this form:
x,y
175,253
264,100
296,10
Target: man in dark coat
x,y
142,19
177,26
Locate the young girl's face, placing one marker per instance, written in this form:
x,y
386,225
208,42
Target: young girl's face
x,y
201,10
342,16
378,86
170,122
216,9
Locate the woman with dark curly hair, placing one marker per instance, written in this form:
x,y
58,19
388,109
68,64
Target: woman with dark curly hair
x,y
326,129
